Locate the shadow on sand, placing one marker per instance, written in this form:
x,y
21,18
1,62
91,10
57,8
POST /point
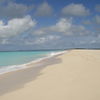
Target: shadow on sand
x,y
17,79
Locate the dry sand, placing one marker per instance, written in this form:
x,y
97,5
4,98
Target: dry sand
x,y
72,76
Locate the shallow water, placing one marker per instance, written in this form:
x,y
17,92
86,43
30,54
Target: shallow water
x,y
10,61
17,58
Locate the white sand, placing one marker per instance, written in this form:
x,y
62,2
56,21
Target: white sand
x,y
75,77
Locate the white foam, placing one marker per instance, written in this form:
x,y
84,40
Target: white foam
x,y
23,66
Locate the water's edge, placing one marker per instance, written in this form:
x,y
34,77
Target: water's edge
x,y
26,65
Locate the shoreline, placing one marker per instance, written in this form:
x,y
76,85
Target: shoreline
x,y
26,65
33,69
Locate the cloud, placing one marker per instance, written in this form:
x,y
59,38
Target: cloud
x,y
63,26
4,41
75,10
45,39
87,22
31,40
14,10
3,1
97,19
44,9
97,8
16,26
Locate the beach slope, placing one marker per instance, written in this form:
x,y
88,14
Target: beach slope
x,y
74,75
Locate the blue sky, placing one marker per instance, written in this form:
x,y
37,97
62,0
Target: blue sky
x,y
49,24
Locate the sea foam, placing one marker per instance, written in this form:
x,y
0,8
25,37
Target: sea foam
x,y
6,69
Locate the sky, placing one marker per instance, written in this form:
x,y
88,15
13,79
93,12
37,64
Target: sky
x,y
49,24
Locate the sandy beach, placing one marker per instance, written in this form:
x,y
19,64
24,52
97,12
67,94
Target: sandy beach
x,y
74,75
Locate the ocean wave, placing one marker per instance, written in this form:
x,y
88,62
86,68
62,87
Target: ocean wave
x,y
6,69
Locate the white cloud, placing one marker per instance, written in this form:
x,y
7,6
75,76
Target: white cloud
x,y
44,9
75,10
4,41
2,1
16,26
97,19
45,39
63,26
97,8
87,22
42,40
93,21
95,39
14,10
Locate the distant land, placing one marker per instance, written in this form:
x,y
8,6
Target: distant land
x,y
41,48
49,49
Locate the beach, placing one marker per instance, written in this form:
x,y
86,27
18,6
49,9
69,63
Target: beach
x,y
73,75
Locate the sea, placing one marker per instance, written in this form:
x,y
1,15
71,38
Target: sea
x,y
16,60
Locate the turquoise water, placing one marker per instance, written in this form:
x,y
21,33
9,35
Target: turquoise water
x,y
11,61
17,58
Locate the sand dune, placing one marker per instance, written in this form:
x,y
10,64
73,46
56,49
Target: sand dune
x,y
72,76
